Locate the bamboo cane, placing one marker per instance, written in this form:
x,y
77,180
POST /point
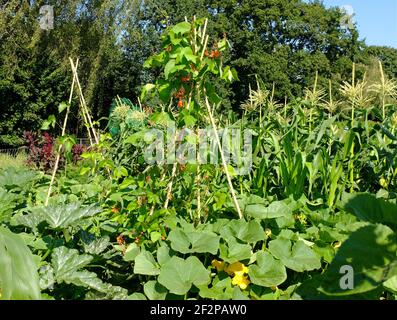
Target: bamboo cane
x,y
84,104
204,31
54,171
229,180
169,187
86,124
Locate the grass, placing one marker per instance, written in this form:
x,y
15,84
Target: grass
x,y
17,161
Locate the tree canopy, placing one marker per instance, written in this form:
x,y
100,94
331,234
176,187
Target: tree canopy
x,y
281,41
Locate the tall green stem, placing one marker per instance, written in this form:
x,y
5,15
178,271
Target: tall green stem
x,y
354,98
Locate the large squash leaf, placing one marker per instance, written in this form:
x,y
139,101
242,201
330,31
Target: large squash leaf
x,y
18,272
194,241
145,264
17,179
250,232
368,208
68,267
178,275
371,252
8,202
57,216
298,257
268,271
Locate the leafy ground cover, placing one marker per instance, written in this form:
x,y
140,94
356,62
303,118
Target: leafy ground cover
x,y
321,195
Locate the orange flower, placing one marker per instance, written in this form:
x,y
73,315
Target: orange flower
x,y
181,93
120,240
147,109
180,103
215,54
115,210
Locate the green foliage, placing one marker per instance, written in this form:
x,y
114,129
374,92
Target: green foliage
x,y
188,65
145,264
16,180
19,160
123,113
57,216
371,251
8,203
178,275
298,257
268,271
193,241
119,228
283,43
388,56
368,208
18,271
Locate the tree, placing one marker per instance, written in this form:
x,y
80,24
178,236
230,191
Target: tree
x,y
282,41
388,56
35,73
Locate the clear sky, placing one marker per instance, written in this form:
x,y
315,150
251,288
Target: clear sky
x,y
376,19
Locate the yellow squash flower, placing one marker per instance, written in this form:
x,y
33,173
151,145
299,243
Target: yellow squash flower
x,y
241,281
236,268
219,265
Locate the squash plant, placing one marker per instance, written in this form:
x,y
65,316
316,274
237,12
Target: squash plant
x,y
370,251
18,272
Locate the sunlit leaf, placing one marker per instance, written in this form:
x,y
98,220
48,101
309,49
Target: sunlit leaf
x,y
18,271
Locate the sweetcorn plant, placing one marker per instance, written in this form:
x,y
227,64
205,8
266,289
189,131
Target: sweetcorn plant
x,y
387,88
356,93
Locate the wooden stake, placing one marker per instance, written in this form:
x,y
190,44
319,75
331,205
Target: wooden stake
x,y
169,187
84,104
204,31
54,171
204,47
198,180
86,124
194,37
229,180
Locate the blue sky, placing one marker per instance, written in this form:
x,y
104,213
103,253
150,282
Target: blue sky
x,y
376,19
